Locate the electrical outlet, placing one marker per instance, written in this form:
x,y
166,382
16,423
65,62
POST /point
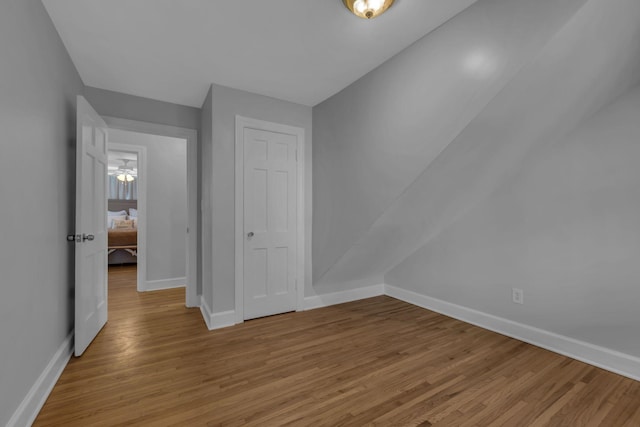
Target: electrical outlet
x,y
517,295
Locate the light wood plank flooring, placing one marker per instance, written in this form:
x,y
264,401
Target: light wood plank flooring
x,y
373,362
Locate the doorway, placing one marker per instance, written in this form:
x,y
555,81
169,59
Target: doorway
x,y
119,127
159,212
90,236
126,204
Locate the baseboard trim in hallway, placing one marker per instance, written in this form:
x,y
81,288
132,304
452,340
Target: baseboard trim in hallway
x,y
216,320
33,402
160,285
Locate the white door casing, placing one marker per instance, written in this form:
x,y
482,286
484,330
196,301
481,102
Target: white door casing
x,y
91,226
269,220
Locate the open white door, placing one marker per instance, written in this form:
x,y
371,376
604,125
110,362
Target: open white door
x,y
91,225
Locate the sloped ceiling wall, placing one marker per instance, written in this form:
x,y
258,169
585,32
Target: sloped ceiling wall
x,y
377,136
409,149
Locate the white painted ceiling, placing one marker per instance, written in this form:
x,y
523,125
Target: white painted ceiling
x,y
297,50
116,157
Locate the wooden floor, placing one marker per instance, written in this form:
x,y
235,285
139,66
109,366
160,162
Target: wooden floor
x,y
373,362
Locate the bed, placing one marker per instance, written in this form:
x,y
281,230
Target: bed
x,y
122,242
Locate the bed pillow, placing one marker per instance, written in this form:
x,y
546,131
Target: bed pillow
x,y
133,213
116,213
122,224
112,218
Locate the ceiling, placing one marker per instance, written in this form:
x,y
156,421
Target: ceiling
x,y
116,157
302,51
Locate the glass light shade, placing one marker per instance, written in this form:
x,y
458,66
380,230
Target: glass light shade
x,y
368,9
125,177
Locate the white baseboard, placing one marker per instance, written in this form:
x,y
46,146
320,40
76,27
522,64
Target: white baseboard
x,y
193,300
340,297
216,320
159,285
30,406
610,360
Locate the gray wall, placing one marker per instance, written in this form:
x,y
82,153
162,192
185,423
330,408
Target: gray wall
x,y
38,88
116,104
206,164
563,227
376,136
166,211
226,104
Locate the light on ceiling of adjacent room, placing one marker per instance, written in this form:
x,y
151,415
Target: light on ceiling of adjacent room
x,y
125,177
124,173
368,9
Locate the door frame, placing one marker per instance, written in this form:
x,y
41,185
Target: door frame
x,y
191,136
241,124
141,251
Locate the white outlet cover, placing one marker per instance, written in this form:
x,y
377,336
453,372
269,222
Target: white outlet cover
x,y
517,295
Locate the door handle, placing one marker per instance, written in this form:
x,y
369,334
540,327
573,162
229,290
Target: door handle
x,y
250,234
88,237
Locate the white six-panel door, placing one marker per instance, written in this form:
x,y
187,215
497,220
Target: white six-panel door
x,y
270,222
91,226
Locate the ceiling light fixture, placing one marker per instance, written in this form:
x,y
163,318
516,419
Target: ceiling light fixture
x,y
124,173
368,9
125,177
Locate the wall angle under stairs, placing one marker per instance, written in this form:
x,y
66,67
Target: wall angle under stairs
x,y
585,63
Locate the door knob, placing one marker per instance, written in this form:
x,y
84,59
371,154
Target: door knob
x,y
88,237
250,234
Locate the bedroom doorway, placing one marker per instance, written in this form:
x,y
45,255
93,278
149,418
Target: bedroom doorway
x,y
125,204
152,196
132,132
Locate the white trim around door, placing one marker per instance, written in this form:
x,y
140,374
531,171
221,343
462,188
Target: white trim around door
x,y
191,136
249,123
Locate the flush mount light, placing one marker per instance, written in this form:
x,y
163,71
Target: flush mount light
x,y
124,173
368,9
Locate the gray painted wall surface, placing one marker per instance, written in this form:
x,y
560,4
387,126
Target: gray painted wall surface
x,y
375,137
38,88
166,202
206,176
563,226
227,103
116,104
566,81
